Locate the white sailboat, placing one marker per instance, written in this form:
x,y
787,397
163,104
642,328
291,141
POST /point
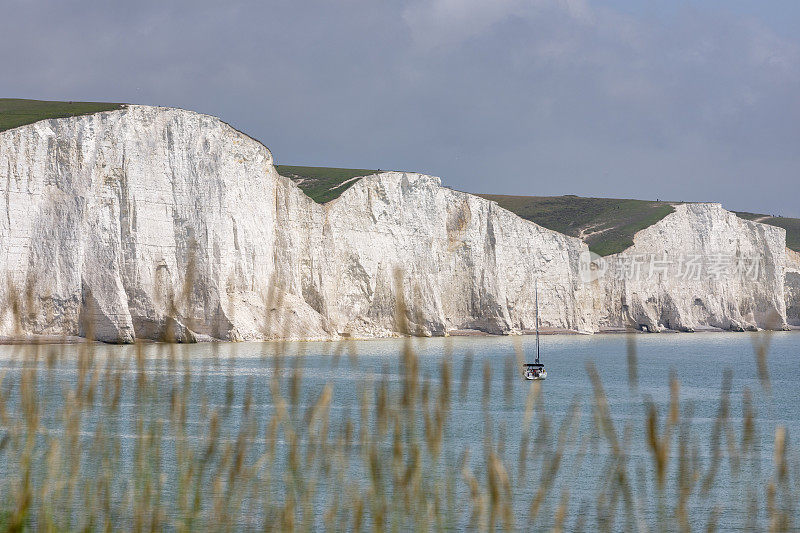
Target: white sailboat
x,y
536,371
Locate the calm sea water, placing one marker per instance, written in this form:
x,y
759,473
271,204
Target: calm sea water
x,y
699,362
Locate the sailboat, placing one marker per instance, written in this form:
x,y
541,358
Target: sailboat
x,y
536,371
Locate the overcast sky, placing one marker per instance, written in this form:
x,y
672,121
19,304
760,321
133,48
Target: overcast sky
x,y
669,99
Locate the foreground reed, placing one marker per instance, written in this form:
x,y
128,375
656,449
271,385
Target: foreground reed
x,y
151,439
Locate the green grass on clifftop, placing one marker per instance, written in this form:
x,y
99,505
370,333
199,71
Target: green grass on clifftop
x,y
16,112
323,184
607,225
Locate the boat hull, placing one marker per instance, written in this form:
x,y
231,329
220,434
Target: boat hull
x,y
540,377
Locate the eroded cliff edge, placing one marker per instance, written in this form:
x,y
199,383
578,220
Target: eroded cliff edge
x,y
699,267
792,287
155,222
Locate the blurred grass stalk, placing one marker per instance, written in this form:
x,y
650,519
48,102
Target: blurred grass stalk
x,y
68,463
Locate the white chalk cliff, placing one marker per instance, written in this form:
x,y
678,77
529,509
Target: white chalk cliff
x,y
154,222
701,266
792,287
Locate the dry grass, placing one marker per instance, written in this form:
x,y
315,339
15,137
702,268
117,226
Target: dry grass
x,y
141,443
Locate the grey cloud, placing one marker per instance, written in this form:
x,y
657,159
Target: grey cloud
x,y
536,97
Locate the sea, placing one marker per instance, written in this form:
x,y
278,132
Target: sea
x,y
588,443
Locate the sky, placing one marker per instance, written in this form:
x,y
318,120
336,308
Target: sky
x,y
670,99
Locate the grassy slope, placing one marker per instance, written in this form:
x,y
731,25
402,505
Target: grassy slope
x,y
607,225
16,112
323,184
620,218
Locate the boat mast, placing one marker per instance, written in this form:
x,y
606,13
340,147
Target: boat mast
x,y
537,320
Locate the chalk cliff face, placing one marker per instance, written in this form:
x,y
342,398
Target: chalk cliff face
x,y
701,266
467,263
792,287
103,217
161,223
